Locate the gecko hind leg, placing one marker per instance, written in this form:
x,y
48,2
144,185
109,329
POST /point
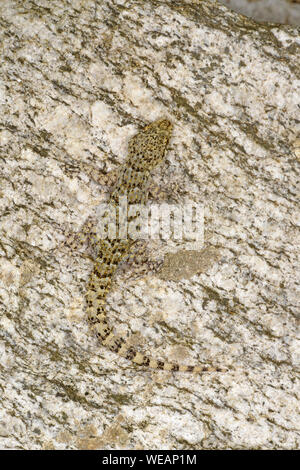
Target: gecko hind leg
x,y
86,239
141,261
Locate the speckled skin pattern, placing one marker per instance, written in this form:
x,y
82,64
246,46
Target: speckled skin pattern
x,y
146,150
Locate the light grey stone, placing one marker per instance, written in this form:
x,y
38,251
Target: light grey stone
x,y
77,80
274,11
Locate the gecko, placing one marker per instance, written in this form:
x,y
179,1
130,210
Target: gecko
x,y
146,150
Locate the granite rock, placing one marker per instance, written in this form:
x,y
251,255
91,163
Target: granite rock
x,y
77,80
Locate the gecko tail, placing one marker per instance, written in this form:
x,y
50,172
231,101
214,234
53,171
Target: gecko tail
x,y
121,346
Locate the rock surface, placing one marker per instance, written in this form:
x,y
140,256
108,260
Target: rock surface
x,y
77,80
275,11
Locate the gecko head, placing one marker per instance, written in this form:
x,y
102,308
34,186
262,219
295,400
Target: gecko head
x,y
147,148
160,126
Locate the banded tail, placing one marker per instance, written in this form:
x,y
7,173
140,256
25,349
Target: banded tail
x,y
97,316
121,346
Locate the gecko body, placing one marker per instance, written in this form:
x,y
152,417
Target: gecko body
x,y
146,150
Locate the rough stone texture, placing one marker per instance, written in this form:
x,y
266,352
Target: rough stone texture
x,y
275,11
77,80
